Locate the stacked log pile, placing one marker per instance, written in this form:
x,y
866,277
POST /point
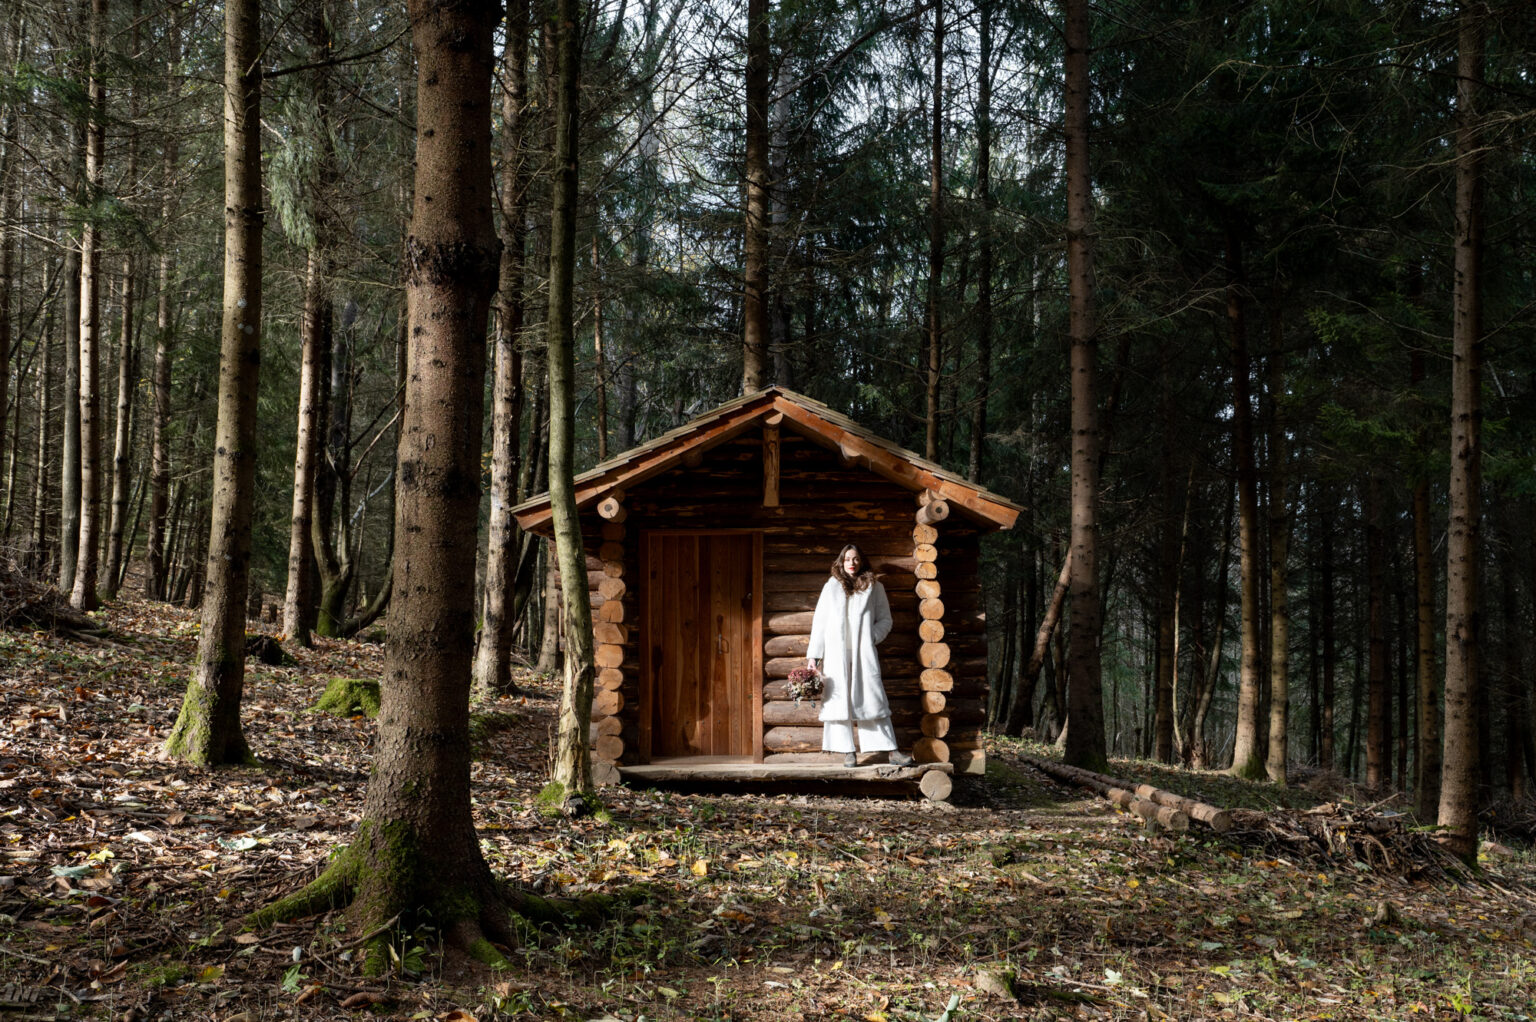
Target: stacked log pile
x,y
616,659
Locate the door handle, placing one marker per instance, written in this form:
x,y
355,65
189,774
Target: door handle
x,y
719,642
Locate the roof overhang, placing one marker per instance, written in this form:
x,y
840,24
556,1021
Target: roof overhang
x,y
775,406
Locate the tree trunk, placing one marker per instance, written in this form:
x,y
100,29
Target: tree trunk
x,y
573,764
1325,755
1085,710
1426,788
1279,554
936,239
1247,759
10,139
1205,691
155,565
83,594
1024,695
504,543
754,304
1378,771
38,554
983,241
127,379
207,732
416,856
69,462
299,599
1167,583
1460,797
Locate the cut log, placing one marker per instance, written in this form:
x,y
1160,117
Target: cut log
x,y
1216,818
934,702
933,654
931,631
609,634
928,589
611,509
1163,816
604,774
611,587
933,512
930,610
609,748
607,702
613,532
936,679
926,497
612,569
608,726
787,646
930,750
611,552
784,712
926,570
796,622
924,534
612,611
610,656
935,725
610,677
925,552
936,785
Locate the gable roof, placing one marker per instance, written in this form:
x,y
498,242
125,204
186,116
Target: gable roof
x,y
807,417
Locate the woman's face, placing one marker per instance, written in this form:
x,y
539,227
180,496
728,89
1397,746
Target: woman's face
x,y
851,563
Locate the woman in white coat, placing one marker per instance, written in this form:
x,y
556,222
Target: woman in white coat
x,y
852,617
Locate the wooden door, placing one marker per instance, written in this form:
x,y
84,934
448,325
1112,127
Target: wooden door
x,y
702,661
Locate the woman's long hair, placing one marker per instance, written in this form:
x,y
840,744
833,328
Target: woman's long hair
x,y
853,583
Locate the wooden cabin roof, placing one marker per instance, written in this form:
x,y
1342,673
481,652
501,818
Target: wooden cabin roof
x,y
776,406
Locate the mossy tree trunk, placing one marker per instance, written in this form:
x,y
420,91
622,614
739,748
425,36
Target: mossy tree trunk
x,y
208,728
416,854
573,763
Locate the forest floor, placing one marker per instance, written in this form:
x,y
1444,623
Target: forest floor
x,y
124,880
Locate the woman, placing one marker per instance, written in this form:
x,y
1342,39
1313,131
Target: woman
x,y
852,617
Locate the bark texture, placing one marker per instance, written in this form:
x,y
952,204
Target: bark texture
x,y
504,543
573,762
1460,795
208,729
1247,759
87,559
754,305
1085,710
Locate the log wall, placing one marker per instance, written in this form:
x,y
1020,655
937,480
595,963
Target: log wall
x,y
934,660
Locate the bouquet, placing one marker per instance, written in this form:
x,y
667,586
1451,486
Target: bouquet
x,y
805,683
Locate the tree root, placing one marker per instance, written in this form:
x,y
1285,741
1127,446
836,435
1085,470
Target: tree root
x,y
477,919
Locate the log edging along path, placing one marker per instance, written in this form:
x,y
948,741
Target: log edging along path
x,y
1151,804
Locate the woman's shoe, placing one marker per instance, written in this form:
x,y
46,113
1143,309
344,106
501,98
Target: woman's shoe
x,y
850,759
899,759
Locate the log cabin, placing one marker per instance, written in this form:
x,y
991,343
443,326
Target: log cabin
x,y
706,550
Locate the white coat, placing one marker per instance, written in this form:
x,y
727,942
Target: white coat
x,y
844,632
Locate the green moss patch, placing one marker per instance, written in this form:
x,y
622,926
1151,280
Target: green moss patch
x,y
350,697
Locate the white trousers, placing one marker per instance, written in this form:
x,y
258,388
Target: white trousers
x,y
873,735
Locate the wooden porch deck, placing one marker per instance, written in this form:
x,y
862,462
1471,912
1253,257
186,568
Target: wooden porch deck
x,y
933,780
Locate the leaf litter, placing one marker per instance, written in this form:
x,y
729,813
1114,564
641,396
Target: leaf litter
x,y
124,879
